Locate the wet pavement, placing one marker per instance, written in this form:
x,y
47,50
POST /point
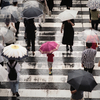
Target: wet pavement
x,y
35,83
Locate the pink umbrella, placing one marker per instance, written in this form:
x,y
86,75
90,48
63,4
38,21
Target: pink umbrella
x,y
49,47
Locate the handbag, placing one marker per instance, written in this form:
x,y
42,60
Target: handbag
x,y
9,36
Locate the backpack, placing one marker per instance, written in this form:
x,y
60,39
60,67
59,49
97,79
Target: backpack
x,y
12,74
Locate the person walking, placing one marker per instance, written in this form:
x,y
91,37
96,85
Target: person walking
x,y
68,35
67,3
17,23
1,58
14,68
50,62
87,59
75,94
45,11
50,4
9,37
30,34
94,18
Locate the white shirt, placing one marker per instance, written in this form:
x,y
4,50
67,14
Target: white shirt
x,y
1,48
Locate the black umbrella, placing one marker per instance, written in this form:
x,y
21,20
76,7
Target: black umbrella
x,y
81,80
31,12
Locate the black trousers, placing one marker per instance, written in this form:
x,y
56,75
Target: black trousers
x,y
94,24
33,43
89,69
17,28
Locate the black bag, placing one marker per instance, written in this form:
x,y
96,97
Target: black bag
x,y
12,74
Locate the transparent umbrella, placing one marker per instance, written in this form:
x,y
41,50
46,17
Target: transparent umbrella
x,y
93,4
89,35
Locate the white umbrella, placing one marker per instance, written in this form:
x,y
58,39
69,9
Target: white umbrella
x,y
14,51
67,15
3,74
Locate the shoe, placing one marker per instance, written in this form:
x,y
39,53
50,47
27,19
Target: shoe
x,y
71,50
40,26
33,53
50,73
67,48
28,48
13,94
51,69
17,94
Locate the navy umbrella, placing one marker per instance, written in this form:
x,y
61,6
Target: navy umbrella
x,y
81,80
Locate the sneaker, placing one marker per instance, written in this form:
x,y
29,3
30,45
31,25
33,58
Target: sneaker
x,y
17,94
50,73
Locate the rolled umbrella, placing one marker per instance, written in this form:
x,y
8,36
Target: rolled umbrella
x,y
67,15
81,80
49,47
14,52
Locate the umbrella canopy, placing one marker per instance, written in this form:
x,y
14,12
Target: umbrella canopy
x,y
49,47
67,15
31,12
14,52
93,4
81,80
11,10
3,74
89,35
33,4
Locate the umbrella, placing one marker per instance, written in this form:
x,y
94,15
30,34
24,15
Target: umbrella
x,y
11,10
33,4
67,15
49,47
93,4
3,74
81,80
89,35
14,51
31,12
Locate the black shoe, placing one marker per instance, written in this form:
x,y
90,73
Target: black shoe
x,y
13,94
40,26
17,94
71,50
67,48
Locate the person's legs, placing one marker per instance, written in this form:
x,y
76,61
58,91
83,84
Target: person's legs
x,y
92,23
43,17
28,44
90,70
85,69
50,67
71,49
40,22
12,87
33,45
96,25
67,48
16,84
17,28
